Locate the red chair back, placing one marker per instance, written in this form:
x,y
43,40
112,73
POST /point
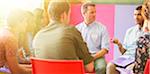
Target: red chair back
x,y
46,66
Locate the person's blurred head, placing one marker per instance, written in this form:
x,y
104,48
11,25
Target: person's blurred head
x,y
19,20
59,11
138,17
40,21
146,10
146,15
88,11
39,16
30,21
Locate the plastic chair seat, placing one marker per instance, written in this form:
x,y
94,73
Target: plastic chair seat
x,y
50,66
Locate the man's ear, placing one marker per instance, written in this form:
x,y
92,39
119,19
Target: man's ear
x,y
83,14
62,16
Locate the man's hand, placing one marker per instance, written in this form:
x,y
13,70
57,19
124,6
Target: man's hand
x,y
100,54
115,41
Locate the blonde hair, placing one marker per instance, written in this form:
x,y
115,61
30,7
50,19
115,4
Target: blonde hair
x,y
15,16
146,8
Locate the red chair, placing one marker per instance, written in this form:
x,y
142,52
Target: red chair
x,y
45,66
147,67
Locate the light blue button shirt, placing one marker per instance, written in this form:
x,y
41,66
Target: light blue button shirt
x,y
130,40
95,35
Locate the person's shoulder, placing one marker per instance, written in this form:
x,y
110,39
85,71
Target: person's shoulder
x,y
47,28
79,25
99,24
7,36
4,33
70,28
132,28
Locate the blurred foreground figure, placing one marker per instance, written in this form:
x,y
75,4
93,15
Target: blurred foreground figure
x,y
16,23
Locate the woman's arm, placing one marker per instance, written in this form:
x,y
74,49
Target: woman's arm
x,y
11,46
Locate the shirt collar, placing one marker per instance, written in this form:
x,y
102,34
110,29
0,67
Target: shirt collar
x,y
84,25
138,28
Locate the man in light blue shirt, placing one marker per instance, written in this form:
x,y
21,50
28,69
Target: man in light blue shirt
x,y
95,35
129,46
130,40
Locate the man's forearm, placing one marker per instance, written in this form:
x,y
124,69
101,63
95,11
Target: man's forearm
x,y
101,53
122,50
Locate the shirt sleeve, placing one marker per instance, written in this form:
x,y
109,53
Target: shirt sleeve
x,y
105,39
82,50
125,40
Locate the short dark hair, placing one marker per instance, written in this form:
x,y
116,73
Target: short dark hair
x,y
139,7
56,8
85,6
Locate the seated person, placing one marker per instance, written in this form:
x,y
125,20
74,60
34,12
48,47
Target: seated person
x,y
143,44
142,54
128,50
60,41
96,36
25,40
16,22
